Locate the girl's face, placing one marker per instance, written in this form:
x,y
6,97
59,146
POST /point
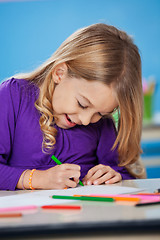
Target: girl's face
x,y
77,101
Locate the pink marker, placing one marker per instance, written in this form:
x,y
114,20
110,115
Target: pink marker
x,y
144,198
21,208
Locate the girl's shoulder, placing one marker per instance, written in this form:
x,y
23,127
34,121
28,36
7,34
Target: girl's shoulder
x,y
18,88
17,96
16,83
12,82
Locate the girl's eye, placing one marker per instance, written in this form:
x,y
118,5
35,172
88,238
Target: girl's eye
x,y
80,105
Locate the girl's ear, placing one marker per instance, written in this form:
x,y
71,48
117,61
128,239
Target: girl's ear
x,y
59,72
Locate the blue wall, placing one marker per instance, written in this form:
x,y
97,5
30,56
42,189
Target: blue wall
x,y
30,31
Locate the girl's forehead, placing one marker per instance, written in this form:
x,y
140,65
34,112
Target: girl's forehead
x,y
94,88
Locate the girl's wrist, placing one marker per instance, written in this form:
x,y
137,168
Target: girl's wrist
x,y
37,181
25,184
31,179
23,175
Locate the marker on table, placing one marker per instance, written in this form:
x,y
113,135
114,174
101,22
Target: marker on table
x,y
130,197
21,208
84,198
115,197
147,204
59,163
10,215
63,207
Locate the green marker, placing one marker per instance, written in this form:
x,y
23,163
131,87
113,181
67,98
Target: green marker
x,y
59,163
85,198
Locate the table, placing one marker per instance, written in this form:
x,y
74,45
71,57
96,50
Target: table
x,y
97,220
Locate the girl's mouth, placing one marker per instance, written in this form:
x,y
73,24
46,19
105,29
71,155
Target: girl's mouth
x,y
69,122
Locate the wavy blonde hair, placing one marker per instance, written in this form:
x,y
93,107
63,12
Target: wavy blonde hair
x,y
97,53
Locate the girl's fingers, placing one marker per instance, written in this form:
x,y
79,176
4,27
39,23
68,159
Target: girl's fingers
x,y
71,183
115,179
98,175
102,174
67,175
71,178
93,170
71,174
104,178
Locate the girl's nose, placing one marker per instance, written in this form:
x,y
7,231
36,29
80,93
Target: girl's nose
x,y
87,118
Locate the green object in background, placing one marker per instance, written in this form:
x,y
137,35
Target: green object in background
x,y
115,116
147,114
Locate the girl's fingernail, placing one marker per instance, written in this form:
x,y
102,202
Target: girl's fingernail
x,y
107,182
84,183
95,182
88,183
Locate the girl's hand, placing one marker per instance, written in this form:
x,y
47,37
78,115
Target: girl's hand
x,y
101,174
58,177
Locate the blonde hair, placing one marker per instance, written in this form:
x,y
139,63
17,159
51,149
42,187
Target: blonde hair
x,y
98,53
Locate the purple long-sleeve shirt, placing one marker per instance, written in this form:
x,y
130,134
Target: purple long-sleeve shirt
x,y
21,138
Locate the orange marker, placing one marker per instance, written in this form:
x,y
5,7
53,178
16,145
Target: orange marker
x,y
10,215
116,198
130,199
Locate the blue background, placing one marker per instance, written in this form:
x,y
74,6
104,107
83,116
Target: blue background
x,y
30,31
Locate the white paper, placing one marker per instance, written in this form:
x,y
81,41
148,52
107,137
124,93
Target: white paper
x,y
43,197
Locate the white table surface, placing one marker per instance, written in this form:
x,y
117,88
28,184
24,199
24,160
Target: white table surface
x,y
97,220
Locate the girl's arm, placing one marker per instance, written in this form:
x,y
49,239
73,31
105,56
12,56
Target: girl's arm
x,y
8,110
58,177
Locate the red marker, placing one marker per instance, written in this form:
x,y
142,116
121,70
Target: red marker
x,y
63,207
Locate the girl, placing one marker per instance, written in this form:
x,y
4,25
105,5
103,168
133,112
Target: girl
x,y
64,108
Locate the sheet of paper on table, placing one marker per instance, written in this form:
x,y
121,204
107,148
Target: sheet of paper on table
x,y
42,197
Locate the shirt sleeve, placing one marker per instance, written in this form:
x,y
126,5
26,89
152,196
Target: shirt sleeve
x,y
9,107
105,154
